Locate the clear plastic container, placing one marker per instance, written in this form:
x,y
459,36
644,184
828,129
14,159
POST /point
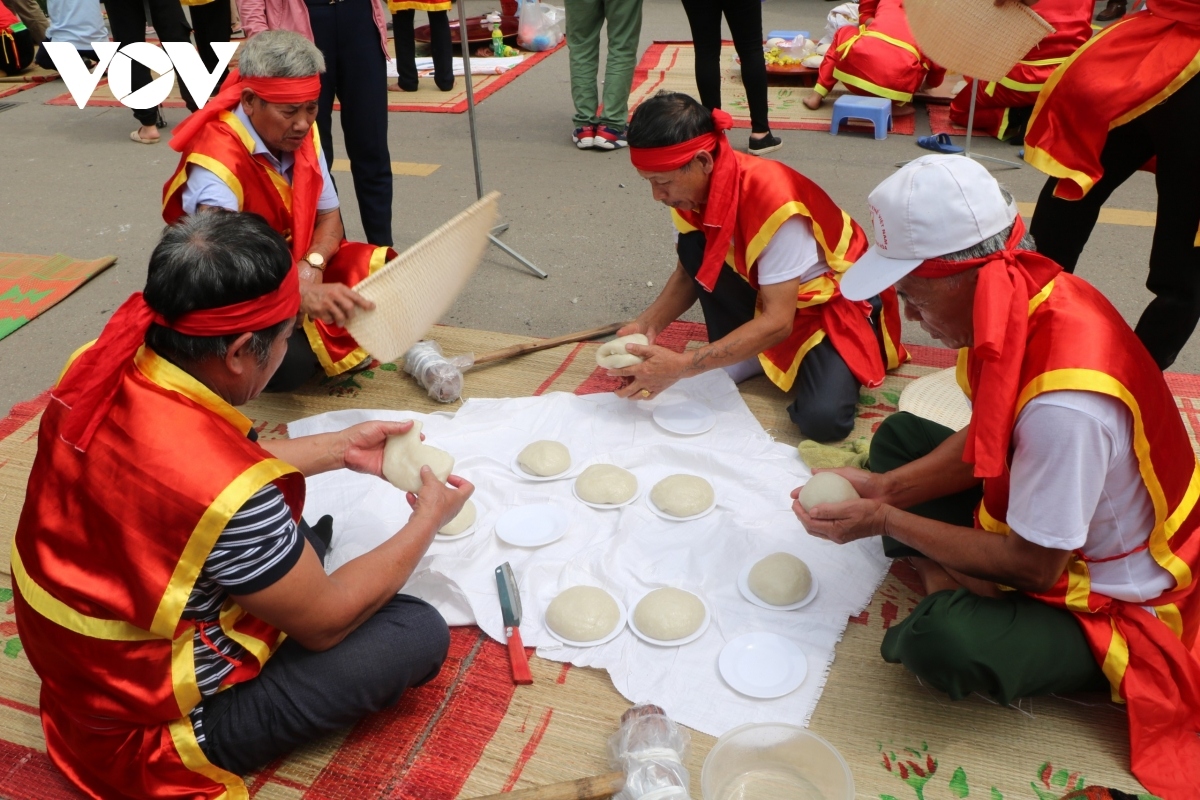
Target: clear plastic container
x,y
775,761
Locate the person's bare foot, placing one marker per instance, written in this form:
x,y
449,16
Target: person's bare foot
x,y
813,101
902,109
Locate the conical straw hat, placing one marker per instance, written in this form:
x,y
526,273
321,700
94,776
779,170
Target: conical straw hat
x,y
416,288
937,397
975,37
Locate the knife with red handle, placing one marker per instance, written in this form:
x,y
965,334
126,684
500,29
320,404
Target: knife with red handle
x,y
510,608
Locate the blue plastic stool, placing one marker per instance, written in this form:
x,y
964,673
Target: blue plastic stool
x,y
877,110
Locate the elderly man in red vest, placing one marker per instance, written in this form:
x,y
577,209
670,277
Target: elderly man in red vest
x,y
254,147
762,248
161,558
1057,535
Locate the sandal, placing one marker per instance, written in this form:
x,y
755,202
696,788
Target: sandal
x,y
939,144
134,135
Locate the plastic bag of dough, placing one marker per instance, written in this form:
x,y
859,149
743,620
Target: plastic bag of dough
x,y
841,16
650,749
442,376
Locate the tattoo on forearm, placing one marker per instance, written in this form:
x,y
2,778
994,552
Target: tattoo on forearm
x,y
702,356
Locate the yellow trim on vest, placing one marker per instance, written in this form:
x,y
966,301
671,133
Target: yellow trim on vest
x,y
165,375
889,347
784,380
1079,586
377,262
1040,297
204,536
183,671
990,523
71,360
1171,617
1017,86
681,224
1043,62
821,90
231,119
194,759
1175,85
417,5
1003,129
875,89
1116,661
58,612
1043,162
1166,522
179,180
230,615
771,227
1056,76
823,286
837,258
960,371
221,171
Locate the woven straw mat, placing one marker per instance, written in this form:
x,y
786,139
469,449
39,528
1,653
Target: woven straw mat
x,y
975,37
937,397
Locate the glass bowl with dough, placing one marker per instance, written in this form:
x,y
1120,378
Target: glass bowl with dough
x,y
605,486
585,616
669,617
462,525
682,497
543,460
780,576
826,487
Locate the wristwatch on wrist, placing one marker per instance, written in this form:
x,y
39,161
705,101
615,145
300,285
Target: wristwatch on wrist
x,y
316,260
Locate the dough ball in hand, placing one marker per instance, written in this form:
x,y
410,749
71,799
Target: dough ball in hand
x,y
826,487
669,614
583,614
404,455
780,579
605,484
682,495
545,458
462,520
613,355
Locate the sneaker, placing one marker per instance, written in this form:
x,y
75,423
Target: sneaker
x,y
767,144
609,138
584,137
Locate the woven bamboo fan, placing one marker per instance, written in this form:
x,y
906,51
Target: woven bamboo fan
x,y
416,288
937,397
975,37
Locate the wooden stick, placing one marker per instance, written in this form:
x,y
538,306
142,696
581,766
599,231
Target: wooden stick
x,y
545,344
594,788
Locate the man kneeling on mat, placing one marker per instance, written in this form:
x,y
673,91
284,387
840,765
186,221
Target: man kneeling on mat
x,y
762,248
161,558
1057,534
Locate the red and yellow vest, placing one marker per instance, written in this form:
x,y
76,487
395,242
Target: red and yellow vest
x,y
226,149
1121,73
108,548
1077,341
418,5
880,58
770,194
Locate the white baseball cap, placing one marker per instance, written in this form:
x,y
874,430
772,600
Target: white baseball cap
x,y
935,205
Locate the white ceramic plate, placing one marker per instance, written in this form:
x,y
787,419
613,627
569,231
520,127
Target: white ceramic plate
x,y
659,512
763,665
441,537
674,642
743,583
523,475
615,631
607,506
532,526
687,418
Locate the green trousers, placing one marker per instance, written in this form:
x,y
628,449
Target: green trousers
x,y
584,20
959,642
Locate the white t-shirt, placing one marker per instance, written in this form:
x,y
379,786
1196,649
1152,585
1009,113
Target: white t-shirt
x,y
792,253
1076,486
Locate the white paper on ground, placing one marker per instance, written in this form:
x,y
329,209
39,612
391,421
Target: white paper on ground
x,y
626,551
479,66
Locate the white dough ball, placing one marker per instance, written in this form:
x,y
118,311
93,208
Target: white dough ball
x,y
613,355
605,484
545,458
462,520
780,579
826,487
404,455
682,495
669,614
583,614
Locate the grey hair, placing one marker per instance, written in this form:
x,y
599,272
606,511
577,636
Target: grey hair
x,y
992,244
280,54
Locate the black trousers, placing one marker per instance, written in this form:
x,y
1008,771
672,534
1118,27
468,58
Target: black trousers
x,y
745,24
356,72
211,23
826,391
439,43
298,366
1062,227
127,18
17,53
301,695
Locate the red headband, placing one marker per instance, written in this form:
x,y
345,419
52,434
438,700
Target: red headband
x,y
272,90
99,369
938,268
282,90
674,156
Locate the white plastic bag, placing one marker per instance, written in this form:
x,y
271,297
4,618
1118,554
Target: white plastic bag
x,y
649,748
442,376
841,16
540,26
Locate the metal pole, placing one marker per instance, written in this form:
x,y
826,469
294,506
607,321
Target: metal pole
x,y
971,130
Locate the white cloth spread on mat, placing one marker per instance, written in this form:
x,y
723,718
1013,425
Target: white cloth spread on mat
x,y
627,551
